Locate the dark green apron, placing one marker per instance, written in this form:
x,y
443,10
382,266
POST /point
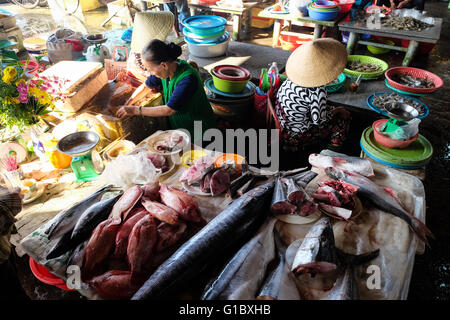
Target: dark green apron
x,y
197,108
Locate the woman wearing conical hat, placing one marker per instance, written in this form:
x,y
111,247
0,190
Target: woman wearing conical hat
x,y
301,102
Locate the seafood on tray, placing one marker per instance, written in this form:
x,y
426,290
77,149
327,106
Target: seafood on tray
x,y
363,66
389,102
405,23
413,82
170,142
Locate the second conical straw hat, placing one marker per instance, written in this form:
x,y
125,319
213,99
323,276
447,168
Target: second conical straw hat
x,y
316,63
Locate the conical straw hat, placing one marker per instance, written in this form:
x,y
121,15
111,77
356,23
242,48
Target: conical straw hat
x,y
150,25
316,63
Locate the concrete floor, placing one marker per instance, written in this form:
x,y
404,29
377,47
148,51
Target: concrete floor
x,y
431,274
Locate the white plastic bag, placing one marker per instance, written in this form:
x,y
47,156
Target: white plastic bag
x,y
405,131
128,170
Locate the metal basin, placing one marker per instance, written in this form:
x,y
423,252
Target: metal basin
x,y
78,143
403,112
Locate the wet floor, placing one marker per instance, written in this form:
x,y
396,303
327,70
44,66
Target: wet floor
x,y
431,274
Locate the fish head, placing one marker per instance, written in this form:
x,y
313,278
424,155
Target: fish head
x,y
334,173
313,159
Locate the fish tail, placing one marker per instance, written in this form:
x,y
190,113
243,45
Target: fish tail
x,y
421,230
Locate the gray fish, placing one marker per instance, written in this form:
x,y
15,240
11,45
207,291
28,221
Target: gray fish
x,y
77,256
353,164
92,217
62,245
200,251
280,203
66,219
345,287
279,284
382,198
302,179
244,273
237,183
295,193
317,253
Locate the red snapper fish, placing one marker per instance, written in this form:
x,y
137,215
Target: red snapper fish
x,y
185,205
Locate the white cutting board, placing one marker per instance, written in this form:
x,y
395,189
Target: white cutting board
x,y
74,71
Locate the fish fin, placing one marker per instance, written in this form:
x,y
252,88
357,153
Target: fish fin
x,y
391,192
339,160
421,230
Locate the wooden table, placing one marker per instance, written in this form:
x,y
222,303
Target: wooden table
x,y
430,35
318,25
238,15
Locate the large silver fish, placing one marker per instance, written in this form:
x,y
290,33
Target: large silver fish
x,y
279,284
205,247
352,164
317,253
345,287
280,203
382,198
244,273
66,219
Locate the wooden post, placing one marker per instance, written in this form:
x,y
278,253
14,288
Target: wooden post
x,y
236,26
317,31
276,33
412,48
352,40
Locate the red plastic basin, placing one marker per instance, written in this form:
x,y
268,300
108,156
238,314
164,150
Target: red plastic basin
x,y
415,72
345,5
42,274
388,142
291,42
424,47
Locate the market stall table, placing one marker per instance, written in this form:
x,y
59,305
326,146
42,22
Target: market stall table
x,y
356,28
318,25
249,56
238,15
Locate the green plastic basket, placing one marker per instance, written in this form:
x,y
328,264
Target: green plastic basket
x,y
335,87
366,59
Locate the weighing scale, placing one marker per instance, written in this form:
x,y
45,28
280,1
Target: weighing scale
x,y
86,163
399,115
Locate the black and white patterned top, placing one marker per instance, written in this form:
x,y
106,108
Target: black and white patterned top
x,y
299,108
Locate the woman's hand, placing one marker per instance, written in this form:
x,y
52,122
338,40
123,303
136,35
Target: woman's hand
x,y
393,5
127,111
402,4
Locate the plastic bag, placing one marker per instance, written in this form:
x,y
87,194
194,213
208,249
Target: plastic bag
x,y
299,6
128,170
405,131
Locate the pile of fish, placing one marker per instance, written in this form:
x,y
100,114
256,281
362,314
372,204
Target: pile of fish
x,y
119,242
381,197
171,143
391,101
405,23
290,197
363,66
318,254
240,219
159,161
413,82
207,177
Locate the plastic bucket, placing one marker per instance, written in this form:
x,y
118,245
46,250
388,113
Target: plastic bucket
x,y
42,274
291,42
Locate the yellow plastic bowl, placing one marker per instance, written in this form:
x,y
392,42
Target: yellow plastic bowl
x,y
190,157
377,50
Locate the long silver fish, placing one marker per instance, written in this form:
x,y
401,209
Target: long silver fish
x,y
302,179
345,287
244,273
65,220
317,253
229,227
93,216
352,164
280,284
382,198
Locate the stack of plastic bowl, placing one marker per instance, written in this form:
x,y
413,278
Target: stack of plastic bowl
x,y
206,36
323,10
231,93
